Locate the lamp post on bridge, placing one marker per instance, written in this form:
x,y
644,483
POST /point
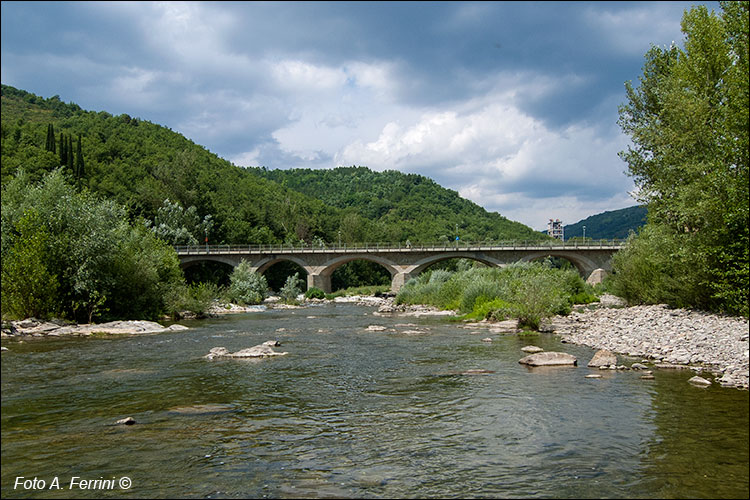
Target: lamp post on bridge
x,y
206,239
584,234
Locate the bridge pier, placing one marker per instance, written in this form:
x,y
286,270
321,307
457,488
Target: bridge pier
x,y
399,279
319,281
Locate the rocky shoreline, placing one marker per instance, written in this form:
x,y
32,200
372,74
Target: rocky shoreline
x,y
669,338
32,327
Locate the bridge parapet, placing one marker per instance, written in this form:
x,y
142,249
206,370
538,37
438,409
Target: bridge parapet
x,y
399,247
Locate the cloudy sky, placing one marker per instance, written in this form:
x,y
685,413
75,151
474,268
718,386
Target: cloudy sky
x,y
513,105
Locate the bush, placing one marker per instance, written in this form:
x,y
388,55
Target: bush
x,y
291,289
315,293
196,299
247,287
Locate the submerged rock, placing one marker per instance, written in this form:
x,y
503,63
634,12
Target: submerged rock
x,y
126,421
700,381
550,358
532,349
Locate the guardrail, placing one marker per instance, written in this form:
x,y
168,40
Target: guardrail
x,y
400,247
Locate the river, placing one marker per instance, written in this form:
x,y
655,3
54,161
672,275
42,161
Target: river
x,y
352,413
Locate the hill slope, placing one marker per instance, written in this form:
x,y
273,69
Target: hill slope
x,y
607,225
411,206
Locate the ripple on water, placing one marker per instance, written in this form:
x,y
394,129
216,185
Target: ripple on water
x,y
353,415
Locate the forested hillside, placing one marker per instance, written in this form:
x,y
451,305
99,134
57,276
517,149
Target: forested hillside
x,y
611,224
411,205
141,165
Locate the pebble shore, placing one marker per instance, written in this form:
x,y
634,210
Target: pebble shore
x,y
718,344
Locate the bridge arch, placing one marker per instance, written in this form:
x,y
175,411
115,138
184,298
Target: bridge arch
x,y
584,265
330,266
426,262
190,260
262,265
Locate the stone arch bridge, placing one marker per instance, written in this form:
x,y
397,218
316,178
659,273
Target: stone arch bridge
x,y
404,262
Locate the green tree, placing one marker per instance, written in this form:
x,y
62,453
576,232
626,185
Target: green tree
x,y
103,265
178,226
79,168
28,287
69,153
688,121
63,150
291,289
50,145
246,286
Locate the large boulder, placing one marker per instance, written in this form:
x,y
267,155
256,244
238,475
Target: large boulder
x,y
550,358
603,357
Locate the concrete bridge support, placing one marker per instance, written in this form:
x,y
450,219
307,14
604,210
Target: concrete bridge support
x,y
399,279
318,281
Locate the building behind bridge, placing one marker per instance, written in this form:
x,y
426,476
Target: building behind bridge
x,y
555,229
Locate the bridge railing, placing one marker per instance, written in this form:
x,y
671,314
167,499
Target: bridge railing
x,y
400,246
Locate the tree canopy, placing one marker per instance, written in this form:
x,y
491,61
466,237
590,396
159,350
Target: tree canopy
x,y
688,122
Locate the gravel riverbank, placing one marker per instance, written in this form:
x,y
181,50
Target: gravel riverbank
x,y
718,344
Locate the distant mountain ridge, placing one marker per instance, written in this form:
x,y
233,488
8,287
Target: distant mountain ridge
x,y
608,225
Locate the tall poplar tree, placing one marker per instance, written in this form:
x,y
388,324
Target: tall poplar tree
x,y
688,121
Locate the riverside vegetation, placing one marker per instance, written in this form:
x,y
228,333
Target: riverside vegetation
x,y
529,292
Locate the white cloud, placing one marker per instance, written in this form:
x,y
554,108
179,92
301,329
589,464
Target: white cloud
x,y
499,157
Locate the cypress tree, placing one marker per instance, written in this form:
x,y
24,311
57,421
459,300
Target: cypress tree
x,y
69,153
50,145
79,159
63,152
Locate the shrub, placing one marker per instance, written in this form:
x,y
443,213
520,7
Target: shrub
x,y
247,286
291,290
315,293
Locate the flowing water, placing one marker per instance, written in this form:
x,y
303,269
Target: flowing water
x,y
352,413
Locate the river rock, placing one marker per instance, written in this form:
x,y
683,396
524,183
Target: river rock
x,y
532,349
550,358
375,328
487,339
126,421
603,357
259,351
700,381
217,352
594,375
638,366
